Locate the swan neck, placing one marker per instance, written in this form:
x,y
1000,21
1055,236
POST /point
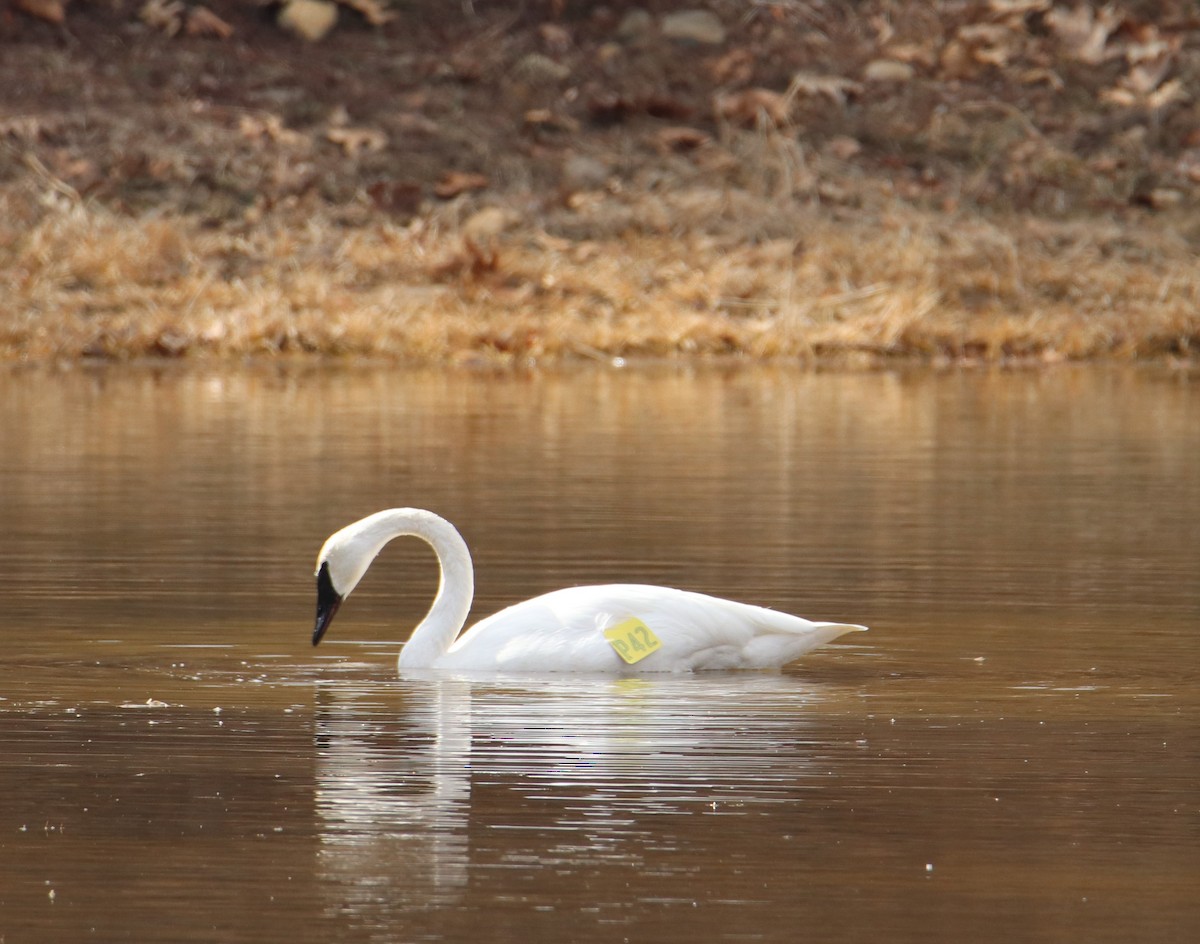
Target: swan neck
x,y
456,588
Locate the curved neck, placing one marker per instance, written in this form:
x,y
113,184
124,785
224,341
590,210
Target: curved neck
x,y
456,584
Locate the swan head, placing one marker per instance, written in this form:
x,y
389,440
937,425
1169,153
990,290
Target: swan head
x,y
343,560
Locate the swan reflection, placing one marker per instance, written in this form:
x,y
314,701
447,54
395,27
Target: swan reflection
x,y
427,782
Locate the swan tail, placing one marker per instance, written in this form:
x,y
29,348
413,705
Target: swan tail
x,y
778,649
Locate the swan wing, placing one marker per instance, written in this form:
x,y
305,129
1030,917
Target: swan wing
x,y
564,631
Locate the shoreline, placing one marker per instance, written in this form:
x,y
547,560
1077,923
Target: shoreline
x,y
536,185
896,285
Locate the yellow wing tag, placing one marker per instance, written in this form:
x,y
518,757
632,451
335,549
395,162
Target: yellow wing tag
x,y
632,639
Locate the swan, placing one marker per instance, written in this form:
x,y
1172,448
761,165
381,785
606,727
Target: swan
x,y
613,628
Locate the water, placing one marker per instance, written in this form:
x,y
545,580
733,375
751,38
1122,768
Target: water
x,y
1011,753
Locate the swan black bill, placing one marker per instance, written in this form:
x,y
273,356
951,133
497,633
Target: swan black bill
x,y
328,601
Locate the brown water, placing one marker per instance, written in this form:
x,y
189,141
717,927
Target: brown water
x,y
1011,754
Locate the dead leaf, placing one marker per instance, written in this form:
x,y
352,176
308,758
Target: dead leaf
x,y
473,261
1145,77
1149,61
1165,94
989,43
1119,96
1188,166
922,53
414,100
269,127
834,87
454,182
1084,30
464,66
981,44
956,60
355,141
681,138
843,147
486,225
399,197
556,39
1162,198
1009,8
411,123
1042,77
69,166
1106,164
545,119
372,11
736,67
52,11
583,201
27,128
135,165
888,70
1152,49
1161,97
607,55
163,15
201,21
884,31
608,108
538,69
666,106
992,56
249,126
309,19
985,34
749,107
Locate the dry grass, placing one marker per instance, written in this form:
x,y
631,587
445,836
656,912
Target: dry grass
x,y
1014,195
85,282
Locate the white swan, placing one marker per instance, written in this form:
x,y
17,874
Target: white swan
x,y
615,628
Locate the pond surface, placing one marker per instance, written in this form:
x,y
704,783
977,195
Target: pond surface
x,y
1012,752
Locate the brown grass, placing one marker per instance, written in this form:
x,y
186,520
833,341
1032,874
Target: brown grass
x,y
85,282
764,199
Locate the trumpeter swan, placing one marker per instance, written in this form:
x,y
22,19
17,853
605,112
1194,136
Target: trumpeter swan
x,y
614,628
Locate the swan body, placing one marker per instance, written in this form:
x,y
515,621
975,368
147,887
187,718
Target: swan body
x,y
564,630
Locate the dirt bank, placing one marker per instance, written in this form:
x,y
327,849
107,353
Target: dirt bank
x,y
535,181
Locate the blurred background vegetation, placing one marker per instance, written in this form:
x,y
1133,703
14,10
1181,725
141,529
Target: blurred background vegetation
x,y
532,181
